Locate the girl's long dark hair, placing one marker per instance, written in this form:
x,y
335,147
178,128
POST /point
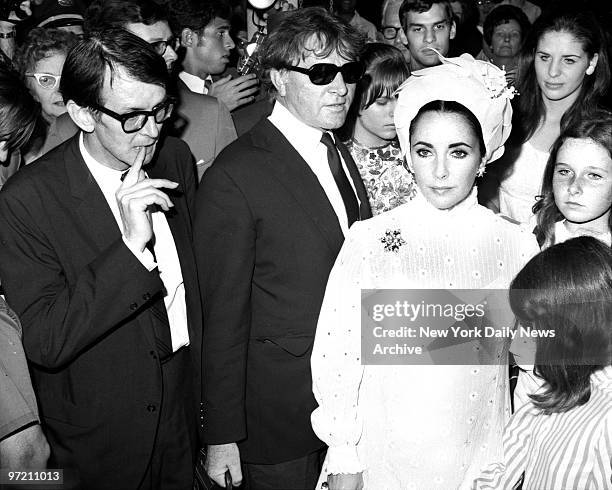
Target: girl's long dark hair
x,y
596,127
529,110
567,289
386,70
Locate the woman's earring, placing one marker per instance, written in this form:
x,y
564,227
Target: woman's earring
x,y
590,70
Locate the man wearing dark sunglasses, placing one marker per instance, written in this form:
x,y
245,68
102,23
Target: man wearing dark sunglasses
x,y
271,216
97,260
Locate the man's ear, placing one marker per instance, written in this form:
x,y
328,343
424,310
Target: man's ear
x,y
279,80
188,38
81,116
453,29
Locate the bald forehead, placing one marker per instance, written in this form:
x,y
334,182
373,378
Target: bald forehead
x,y
391,13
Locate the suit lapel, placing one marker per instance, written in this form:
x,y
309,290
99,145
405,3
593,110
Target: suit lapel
x,y
90,205
290,169
91,209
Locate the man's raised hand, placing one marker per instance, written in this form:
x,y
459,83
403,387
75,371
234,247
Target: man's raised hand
x,y
135,197
235,92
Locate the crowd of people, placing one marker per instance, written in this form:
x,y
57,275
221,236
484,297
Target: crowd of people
x,y
189,252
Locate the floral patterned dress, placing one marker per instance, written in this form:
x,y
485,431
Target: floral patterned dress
x,y
387,180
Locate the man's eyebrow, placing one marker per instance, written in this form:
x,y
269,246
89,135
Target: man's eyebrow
x,y
422,24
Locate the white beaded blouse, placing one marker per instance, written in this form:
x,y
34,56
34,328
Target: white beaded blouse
x,y
421,427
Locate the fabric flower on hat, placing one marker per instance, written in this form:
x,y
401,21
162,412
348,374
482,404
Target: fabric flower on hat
x,y
478,85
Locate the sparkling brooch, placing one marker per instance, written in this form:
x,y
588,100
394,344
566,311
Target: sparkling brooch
x,y
392,240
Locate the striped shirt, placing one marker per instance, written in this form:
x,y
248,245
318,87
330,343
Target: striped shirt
x,y
560,451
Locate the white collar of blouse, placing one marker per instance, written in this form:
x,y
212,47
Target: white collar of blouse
x,y
428,211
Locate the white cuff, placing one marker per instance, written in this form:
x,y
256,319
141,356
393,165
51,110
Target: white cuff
x,y
342,459
144,256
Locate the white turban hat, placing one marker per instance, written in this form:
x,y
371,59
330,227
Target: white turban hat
x,y
478,85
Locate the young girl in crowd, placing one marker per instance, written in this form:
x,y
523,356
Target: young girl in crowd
x,y
370,131
577,185
425,427
563,74
576,201
562,438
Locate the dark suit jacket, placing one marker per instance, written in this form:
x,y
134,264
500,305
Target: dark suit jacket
x,y
204,123
266,238
84,300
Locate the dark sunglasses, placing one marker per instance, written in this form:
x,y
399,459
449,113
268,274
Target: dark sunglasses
x,y
324,73
136,120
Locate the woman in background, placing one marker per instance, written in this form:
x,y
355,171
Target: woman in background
x,y
505,29
369,132
563,74
40,60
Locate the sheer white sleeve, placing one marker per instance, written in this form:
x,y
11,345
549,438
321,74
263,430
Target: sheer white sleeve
x,y
336,359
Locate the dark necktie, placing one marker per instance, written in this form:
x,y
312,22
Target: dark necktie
x,y
344,186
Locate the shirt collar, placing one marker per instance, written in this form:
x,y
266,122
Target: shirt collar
x,y
301,136
193,82
105,176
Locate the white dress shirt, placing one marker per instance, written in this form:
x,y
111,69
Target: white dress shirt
x,y
195,83
168,263
307,142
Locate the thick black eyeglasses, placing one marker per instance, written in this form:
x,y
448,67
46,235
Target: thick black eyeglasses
x,y
390,32
136,120
324,73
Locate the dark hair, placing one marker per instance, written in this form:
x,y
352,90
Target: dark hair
x,y
196,15
40,43
420,6
102,14
502,15
386,70
85,67
19,112
303,31
530,109
567,289
598,128
453,107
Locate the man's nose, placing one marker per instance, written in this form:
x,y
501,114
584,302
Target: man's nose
x,y
430,36
151,128
338,84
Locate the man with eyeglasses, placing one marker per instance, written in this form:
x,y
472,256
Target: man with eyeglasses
x,y
271,216
96,258
146,19
391,31
202,121
429,25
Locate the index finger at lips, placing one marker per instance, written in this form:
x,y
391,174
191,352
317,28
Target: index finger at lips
x,y
133,175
